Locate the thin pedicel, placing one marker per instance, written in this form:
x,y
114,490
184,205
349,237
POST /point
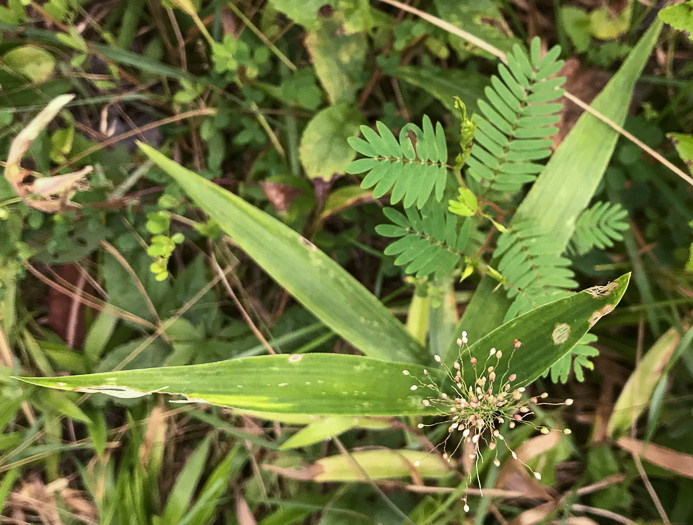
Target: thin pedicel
x,y
478,410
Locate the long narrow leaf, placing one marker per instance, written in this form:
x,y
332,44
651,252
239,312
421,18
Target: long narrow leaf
x,y
333,384
314,279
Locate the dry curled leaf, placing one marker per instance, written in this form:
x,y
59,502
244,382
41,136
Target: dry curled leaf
x,y
47,194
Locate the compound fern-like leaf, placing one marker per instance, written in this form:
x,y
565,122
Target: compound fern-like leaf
x,y
598,227
429,242
412,170
516,120
535,273
577,359
538,276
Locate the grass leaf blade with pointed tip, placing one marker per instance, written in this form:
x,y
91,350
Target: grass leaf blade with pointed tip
x,y
321,384
314,279
377,464
548,332
335,384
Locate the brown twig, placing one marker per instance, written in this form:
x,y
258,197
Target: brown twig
x,y
160,330
90,300
138,283
636,458
179,38
73,318
604,514
238,304
137,131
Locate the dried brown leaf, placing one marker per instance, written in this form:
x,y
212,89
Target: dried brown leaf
x,y
280,195
513,474
243,512
664,457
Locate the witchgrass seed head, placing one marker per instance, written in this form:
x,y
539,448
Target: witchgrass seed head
x,y
475,412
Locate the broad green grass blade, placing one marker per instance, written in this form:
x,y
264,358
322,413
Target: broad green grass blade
x,y
313,278
319,431
182,493
568,182
547,333
322,384
334,384
636,395
215,488
573,174
330,426
378,464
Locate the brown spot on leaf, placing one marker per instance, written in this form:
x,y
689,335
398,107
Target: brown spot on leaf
x,y
598,314
560,334
497,23
602,291
309,244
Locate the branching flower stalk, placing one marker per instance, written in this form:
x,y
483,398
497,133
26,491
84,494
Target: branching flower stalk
x,y
478,411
